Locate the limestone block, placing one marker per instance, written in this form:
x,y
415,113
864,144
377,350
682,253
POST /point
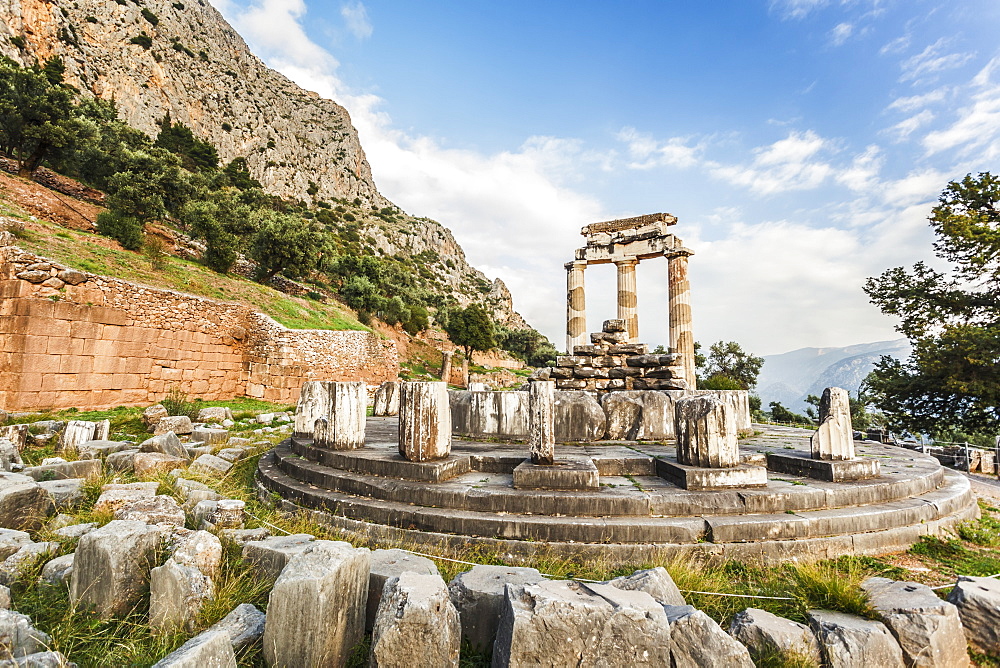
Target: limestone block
x,y
415,619
706,433
122,460
204,509
11,541
541,422
176,595
101,449
264,418
269,556
424,421
114,497
77,432
10,456
579,417
386,564
36,276
978,603
313,404
244,626
214,414
166,443
17,434
18,637
211,465
112,564
160,509
697,640
847,641
929,630
835,437
243,536
72,276
231,454
12,566
82,468
386,399
178,424
343,427
154,414
478,595
75,530
24,504
4,597
59,570
65,494
209,436
489,414
566,623
654,581
765,633
193,452
201,550
640,415
209,649
316,611
229,514
152,464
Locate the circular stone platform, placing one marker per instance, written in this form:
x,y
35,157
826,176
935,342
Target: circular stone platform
x,y
635,515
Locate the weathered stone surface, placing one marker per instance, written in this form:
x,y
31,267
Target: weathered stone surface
x,y
209,436
231,454
16,434
201,550
765,633
978,603
834,439
58,571
18,637
77,432
738,402
12,566
10,456
65,494
101,449
122,460
696,640
47,659
24,504
151,464
243,536
478,595
5,597
655,581
112,564
343,427
847,641
566,623
214,414
211,465
567,472
645,415
209,649
176,595
489,414
166,443
154,414
424,421
541,422
244,625
160,509
416,619
316,611
11,541
387,399
83,468
578,417
114,497
269,556
313,404
386,564
706,433
929,630
178,424
75,530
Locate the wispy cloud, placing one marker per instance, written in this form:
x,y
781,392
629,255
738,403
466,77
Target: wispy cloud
x,y
645,152
977,127
796,9
898,45
356,17
912,103
791,163
902,130
841,33
932,61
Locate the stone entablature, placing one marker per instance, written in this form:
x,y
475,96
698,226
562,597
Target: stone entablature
x,y
71,338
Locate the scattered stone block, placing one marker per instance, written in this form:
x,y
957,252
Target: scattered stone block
x,y
244,626
195,451
424,421
59,570
211,465
929,630
316,611
270,555
978,603
112,564
697,640
834,439
203,511
24,504
579,417
4,597
77,432
16,434
18,637
166,443
232,454
215,414
765,633
153,415
243,536
706,433
178,424
176,595
11,541
229,514
209,649
387,564
101,449
123,460
478,595
15,563
120,495
264,418
416,619
151,464
74,531
654,581
66,493
84,468
847,641
209,436
387,399
188,486
645,415
201,550
10,456
160,509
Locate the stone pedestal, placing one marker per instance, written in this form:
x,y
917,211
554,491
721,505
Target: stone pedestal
x,y
572,472
446,365
706,433
343,427
701,478
823,469
424,421
541,422
627,299
576,305
681,334
834,440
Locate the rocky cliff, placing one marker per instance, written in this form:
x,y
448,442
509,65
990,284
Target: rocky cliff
x,y
155,57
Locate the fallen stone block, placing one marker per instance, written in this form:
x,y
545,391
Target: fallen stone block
x,y
386,399
201,550
112,565
154,414
416,618
122,460
101,449
655,581
209,436
59,570
578,417
65,494
316,611
244,626
77,432
187,486
10,456
232,454
929,630
114,497
39,660
4,597
12,540
176,595
214,414
211,465
150,464
847,641
243,536
478,595
18,637
160,509
387,564
978,603
639,415
697,640
229,514
24,504
209,649
765,634
74,531
83,468
17,434
12,566
166,443
178,424
269,556
202,512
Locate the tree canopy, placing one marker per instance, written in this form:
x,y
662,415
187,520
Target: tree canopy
x,y
728,367
471,329
952,318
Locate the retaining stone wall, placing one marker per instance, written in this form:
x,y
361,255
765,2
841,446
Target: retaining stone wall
x,y
92,342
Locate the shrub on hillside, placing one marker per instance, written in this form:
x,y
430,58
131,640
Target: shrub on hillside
x,y
126,230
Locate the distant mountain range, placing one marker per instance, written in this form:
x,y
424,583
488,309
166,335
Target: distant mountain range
x,y
789,377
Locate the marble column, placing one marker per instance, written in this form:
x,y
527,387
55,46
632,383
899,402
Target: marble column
x,y
627,297
706,433
681,333
541,422
446,365
576,306
424,421
834,440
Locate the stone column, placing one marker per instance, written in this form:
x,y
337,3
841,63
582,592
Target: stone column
x,y
627,297
681,334
314,403
541,422
424,421
834,440
576,306
343,427
706,433
446,365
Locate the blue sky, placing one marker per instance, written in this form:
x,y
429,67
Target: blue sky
x,y
801,143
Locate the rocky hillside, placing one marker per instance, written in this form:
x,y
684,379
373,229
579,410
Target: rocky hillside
x,y
159,57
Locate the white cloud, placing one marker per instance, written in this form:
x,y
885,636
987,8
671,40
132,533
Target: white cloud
x,y
841,33
898,45
645,152
912,103
908,126
862,174
796,9
977,127
916,188
931,61
356,17
787,164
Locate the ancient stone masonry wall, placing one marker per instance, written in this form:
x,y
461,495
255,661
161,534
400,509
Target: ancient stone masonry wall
x,y
68,338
